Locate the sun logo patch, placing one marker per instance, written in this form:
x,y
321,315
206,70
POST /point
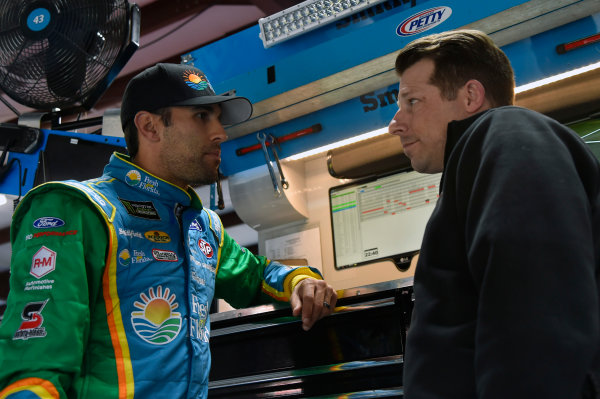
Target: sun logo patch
x,y
195,80
133,178
124,258
157,322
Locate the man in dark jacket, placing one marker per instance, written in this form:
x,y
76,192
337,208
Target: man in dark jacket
x,y
506,288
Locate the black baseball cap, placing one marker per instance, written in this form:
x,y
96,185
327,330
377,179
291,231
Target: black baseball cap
x,y
167,85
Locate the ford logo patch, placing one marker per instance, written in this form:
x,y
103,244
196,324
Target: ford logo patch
x,y
423,21
47,222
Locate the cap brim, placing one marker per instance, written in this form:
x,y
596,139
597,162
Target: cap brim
x,y
233,109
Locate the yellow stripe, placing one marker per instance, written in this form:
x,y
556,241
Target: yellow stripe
x,y
44,389
115,320
123,157
210,225
293,278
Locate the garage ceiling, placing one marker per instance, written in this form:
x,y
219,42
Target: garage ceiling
x,y
169,29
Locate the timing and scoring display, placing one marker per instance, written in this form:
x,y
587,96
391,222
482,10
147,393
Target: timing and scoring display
x,y
381,217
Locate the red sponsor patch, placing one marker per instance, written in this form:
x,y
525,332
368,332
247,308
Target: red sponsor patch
x,y
31,326
205,248
55,233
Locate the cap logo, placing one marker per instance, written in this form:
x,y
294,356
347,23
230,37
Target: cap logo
x,y
195,80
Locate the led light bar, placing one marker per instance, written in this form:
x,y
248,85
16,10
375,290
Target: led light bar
x,y
384,130
305,17
556,78
337,144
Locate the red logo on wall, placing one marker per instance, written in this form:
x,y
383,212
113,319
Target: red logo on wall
x,y
205,248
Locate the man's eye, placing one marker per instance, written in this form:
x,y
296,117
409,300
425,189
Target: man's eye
x,y
203,115
412,101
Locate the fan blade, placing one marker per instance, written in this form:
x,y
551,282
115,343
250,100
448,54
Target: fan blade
x,y
66,66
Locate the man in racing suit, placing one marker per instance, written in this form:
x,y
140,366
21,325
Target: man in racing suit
x,y
112,279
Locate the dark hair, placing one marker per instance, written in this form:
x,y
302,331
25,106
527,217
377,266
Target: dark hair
x,y
131,132
459,56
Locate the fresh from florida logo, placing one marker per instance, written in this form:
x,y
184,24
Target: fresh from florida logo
x,y
124,258
195,80
157,322
423,21
133,178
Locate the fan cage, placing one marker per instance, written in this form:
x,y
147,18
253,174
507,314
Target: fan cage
x,y
61,66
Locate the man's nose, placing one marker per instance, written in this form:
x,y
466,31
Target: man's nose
x,y
397,124
218,132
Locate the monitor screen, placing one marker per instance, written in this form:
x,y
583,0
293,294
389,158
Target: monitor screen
x,y
67,157
381,217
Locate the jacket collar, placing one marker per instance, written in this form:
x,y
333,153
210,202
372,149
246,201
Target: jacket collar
x,y
456,130
121,168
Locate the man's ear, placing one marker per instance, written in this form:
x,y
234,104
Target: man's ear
x,y
147,124
474,100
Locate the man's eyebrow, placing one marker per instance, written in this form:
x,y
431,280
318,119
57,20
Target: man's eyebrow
x,y
405,91
202,108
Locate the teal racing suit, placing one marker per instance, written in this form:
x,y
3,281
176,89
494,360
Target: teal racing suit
x,y
111,284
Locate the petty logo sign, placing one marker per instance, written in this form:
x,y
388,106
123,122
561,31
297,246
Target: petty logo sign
x,y
423,21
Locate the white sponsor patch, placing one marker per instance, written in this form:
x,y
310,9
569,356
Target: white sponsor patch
x,y
43,262
164,256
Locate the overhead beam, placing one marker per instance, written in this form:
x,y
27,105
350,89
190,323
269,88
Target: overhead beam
x,y
270,7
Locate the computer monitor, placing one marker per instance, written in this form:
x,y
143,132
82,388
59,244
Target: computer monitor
x,y
381,218
75,156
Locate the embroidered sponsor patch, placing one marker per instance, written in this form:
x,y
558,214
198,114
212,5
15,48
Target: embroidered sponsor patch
x,y
150,185
198,325
195,80
43,262
94,194
164,256
47,222
124,258
51,233
39,285
204,265
195,225
139,257
197,278
133,178
156,322
205,248
157,236
31,326
130,233
140,209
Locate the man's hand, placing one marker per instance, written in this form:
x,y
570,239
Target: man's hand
x,y
313,299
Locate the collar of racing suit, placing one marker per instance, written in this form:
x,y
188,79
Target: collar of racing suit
x,y
121,168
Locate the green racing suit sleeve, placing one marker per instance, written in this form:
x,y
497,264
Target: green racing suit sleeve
x,y
244,279
59,246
